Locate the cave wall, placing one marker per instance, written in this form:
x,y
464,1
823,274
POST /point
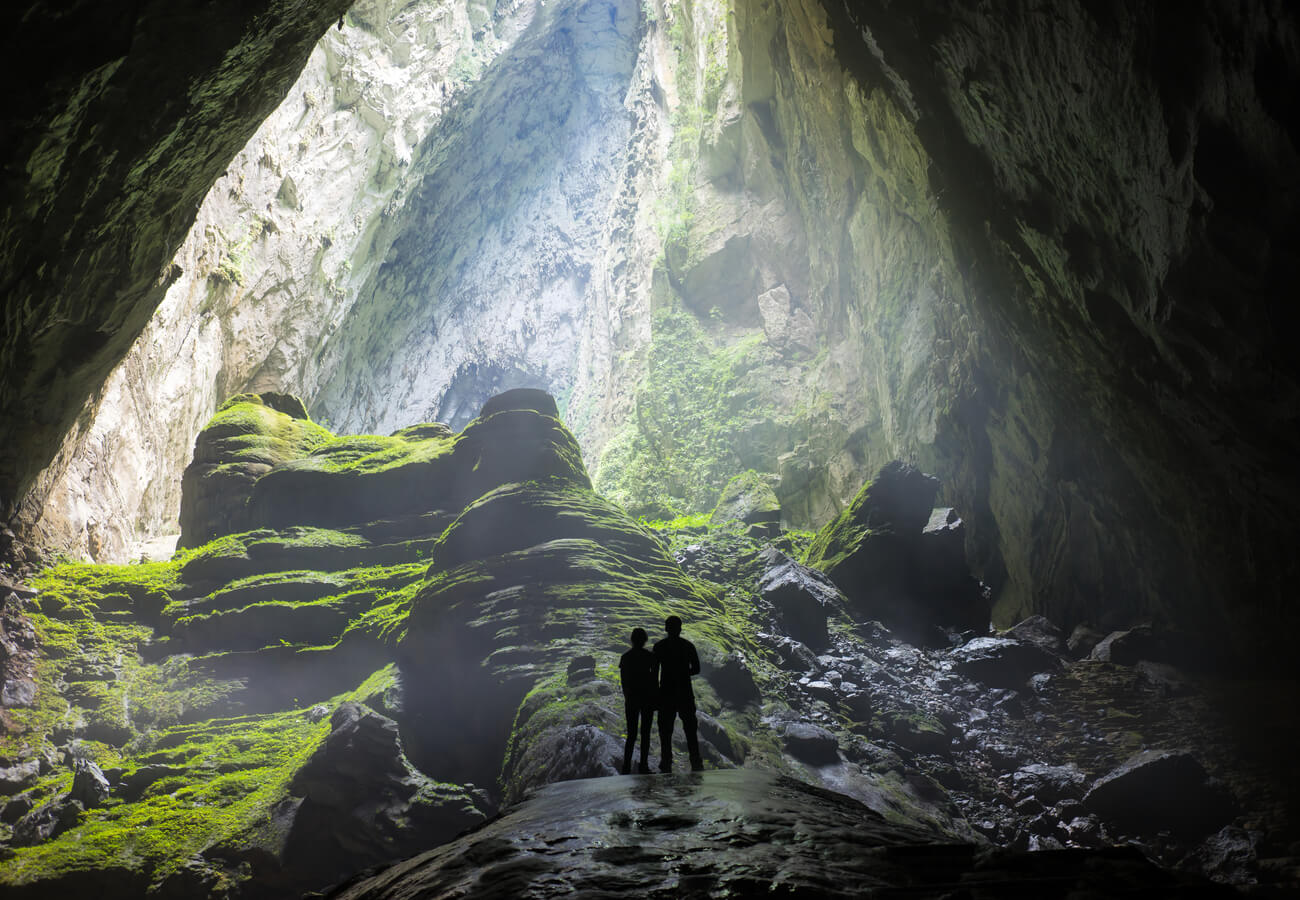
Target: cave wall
x,y
1117,186
1038,251
273,262
122,118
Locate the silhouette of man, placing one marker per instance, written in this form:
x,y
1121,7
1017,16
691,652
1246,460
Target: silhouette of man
x,y
636,669
677,661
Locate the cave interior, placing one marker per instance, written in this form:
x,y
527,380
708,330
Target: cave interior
x,y
371,369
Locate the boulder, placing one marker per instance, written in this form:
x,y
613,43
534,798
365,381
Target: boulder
x,y
1127,647
89,786
363,802
1082,640
46,821
1001,662
788,329
810,744
1038,630
897,562
17,692
19,777
1049,784
917,732
748,498
801,597
733,681
1158,790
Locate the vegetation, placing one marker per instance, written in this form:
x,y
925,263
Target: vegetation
x,y
698,421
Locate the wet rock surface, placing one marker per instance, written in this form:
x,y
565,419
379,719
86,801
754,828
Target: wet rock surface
x,y
738,833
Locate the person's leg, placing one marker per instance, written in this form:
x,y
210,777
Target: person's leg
x,y
647,716
667,713
630,710
690,726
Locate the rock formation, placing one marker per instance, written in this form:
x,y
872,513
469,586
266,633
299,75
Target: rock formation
x,y
371,643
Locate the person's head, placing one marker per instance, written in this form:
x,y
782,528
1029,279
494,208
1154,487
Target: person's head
x,y
639,637
673,625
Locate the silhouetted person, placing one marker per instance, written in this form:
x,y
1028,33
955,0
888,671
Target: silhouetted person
x,y
677,662
636,670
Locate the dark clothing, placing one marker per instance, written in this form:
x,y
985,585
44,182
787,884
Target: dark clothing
x,y
677,662
637,673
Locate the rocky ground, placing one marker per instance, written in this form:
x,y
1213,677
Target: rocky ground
x,y
372,643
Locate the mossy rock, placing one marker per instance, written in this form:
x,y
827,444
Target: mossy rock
x,y
749,499
877,552
244,440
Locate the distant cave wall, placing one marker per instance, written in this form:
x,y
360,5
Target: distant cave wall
x,y
498,253
120,120
1116,187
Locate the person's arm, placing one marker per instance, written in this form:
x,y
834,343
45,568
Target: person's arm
x,y
692,658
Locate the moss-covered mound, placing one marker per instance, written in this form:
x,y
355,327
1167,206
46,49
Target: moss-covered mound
x,y
749,499
532,585
256,466
209,689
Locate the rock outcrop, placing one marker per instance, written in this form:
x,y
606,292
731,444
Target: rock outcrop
x,y
733,827
898,562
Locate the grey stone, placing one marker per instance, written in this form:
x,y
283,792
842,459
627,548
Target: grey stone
x,y
18,692
1161,789
810,743
19,776
1001,662
89,786
46,822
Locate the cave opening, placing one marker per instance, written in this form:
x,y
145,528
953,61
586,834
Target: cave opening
x,y
363,394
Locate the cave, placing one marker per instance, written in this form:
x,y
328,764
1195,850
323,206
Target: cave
x,y
371,369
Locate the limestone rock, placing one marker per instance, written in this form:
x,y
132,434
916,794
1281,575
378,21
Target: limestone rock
x,y
1002,662
18,692
1082,640
789,329
1161,789
19,776
897,563
748,499
243,441
363,803
1037,630
810,743
801,597
1127,647
46,822
730,824
89,786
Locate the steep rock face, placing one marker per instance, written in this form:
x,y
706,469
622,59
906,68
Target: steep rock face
x,y
490,281
1113,183
299,219
125,118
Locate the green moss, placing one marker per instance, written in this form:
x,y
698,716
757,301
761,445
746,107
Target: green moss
x,y
699,420
236,770
839,538
690,521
